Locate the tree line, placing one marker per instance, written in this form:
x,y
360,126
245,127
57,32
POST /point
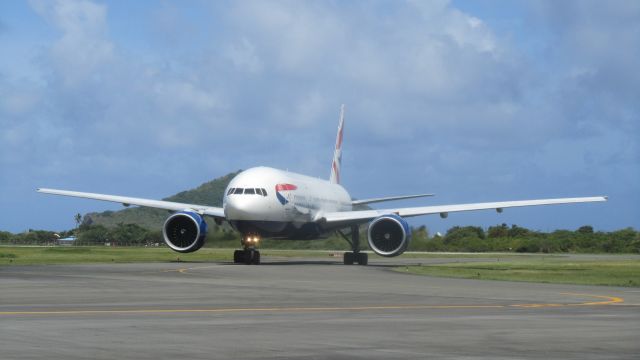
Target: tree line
x,y
503,238
498,238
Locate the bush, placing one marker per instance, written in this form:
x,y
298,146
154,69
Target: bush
x,y
468,238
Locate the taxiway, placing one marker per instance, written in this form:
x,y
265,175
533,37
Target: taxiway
x,y
303,308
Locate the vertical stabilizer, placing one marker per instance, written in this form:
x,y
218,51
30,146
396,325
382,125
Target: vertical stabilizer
x,y
337,153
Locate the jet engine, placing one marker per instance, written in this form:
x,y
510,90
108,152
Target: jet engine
x,y
389,235
184,231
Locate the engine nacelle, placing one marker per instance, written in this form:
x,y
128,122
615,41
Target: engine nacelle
x,y
184,231
389,235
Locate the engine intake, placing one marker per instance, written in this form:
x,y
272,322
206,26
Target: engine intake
x,y
184,231
389,235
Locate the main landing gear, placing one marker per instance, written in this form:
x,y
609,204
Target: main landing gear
x,y
248,256
350,258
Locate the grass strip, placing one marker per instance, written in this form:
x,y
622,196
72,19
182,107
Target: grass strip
x,y
42,255
548,270
84,255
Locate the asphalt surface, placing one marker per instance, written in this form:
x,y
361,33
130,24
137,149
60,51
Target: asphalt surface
x,y
304,308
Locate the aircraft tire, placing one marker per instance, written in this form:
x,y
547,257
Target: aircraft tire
x,y
363,258
248,256
348,258
238,256
256,258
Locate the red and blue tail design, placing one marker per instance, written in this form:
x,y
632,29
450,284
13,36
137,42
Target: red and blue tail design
x,y
337,154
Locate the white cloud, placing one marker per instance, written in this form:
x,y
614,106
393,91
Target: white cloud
x,y
178,96
84,46
295,35
601,38
428,52
244,57
305,111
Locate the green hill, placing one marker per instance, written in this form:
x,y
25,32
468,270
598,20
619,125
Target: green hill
x,y
209,193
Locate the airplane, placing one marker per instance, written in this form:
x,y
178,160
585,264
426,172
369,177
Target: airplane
x,y
264,202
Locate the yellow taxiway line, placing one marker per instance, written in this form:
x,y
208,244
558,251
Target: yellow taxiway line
x,y
604,300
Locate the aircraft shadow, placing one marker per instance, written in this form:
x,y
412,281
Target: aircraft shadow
x,y
293,262
319,262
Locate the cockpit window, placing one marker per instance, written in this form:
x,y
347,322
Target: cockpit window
x,y
247,191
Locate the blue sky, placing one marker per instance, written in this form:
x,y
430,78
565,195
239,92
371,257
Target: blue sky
x,y
475,101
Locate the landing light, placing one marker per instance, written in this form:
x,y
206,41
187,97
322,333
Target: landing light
x,y
252,239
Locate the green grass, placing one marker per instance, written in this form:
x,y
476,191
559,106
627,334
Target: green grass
x,y
585,270
476,255
36,255
81,255
612,272
26,255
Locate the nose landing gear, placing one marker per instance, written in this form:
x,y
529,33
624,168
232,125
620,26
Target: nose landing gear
x,y
249,255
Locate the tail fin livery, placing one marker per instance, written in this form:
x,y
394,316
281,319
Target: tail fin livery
x,y
337,154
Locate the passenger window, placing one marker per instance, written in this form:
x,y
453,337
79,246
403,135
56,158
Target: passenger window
x,y
249,191
238,191
230,191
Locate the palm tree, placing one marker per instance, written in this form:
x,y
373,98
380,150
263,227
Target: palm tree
x,y
78,219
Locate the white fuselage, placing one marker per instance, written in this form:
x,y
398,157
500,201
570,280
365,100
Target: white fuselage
x,y
278,203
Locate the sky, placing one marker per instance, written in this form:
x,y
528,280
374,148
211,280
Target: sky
x,y
471,100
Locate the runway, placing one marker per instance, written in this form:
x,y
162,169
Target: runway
x,y
303,308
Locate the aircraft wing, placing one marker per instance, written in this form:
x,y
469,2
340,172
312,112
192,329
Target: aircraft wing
x,y
388,198
360,216
126,201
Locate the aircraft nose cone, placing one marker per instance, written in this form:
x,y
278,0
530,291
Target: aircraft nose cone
x,y
239,208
